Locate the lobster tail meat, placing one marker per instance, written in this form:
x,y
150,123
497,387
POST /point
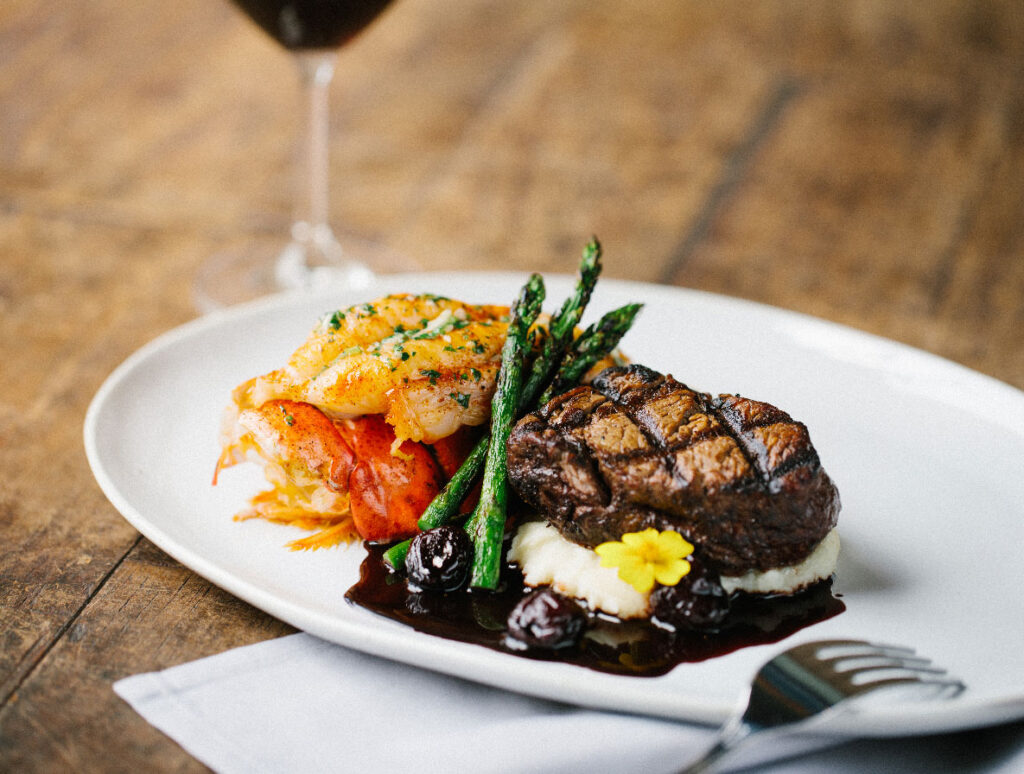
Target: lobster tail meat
x,y
390,486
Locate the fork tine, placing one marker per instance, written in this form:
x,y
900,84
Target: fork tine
x,y
951,683
814,650
869,675
824,644
831,649
858,663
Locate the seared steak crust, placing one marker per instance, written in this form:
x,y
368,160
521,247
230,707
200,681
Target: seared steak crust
x,y
636,449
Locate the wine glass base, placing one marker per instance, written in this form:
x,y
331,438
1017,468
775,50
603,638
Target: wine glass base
x,y
261,269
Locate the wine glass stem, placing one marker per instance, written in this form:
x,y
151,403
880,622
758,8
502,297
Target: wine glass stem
x,y
311,226
314,253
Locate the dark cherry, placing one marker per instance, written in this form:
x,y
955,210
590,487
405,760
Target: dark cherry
x,y
698,601
439,559
546,620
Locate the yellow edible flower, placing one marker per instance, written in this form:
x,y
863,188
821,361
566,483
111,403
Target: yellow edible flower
x,y
648,556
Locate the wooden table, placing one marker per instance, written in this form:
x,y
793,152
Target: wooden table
x,y
862,162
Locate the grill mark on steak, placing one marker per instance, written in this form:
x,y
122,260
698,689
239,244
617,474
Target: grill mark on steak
x,y
808,460
766,417
636,449
638,390
572,467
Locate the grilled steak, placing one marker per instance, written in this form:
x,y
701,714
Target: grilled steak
x,y
636,449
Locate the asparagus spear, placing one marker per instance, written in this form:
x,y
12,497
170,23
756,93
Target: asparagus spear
x,y
592,345
488,521
560,331
562,325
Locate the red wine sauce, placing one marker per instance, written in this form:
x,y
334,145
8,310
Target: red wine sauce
x,y
620,647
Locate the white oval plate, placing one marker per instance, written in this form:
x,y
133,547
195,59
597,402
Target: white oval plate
x,y
928,457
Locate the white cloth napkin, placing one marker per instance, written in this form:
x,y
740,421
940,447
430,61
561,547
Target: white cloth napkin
x,y
299,704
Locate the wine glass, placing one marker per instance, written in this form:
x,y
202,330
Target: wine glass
x,y
313,257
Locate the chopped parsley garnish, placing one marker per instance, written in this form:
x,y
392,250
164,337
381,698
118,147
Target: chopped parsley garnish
x,y
335,320
431,374
462,398
479,348
476,374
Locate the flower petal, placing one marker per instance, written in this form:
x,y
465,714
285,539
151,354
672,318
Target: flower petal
x,y
639,575
675,545
638,539
670,573
612,553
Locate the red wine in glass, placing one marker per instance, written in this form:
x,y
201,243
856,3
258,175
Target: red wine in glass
x,y
302,24
313,258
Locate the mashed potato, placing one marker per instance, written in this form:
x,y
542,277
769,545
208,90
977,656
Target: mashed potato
x,y
820,564
545,557
570,569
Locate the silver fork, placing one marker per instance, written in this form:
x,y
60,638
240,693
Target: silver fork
x,y
818,677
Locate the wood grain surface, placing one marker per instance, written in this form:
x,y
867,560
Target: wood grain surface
x,y
862,162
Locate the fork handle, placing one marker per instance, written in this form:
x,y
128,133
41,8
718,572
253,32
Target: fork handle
x,y
709,760
728,741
